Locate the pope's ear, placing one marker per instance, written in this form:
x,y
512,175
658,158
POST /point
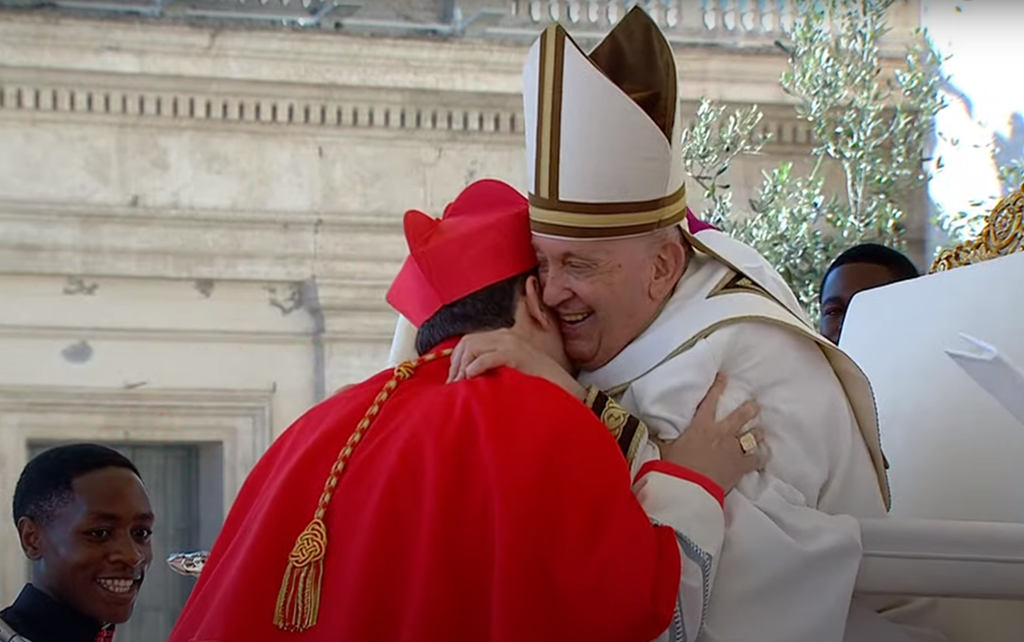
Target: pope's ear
x,y
671,257
534,298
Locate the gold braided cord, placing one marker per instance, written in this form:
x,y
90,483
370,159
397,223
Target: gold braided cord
x,y
298,602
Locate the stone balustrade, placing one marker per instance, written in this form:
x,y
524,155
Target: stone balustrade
x,y
736,22
674,16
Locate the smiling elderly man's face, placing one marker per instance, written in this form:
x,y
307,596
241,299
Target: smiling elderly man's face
x,y
606,292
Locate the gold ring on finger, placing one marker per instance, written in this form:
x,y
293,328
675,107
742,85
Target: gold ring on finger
x,y
748,442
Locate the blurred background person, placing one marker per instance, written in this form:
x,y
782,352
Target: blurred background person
x,y
862,267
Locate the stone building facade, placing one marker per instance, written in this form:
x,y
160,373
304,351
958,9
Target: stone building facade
x,y
200,212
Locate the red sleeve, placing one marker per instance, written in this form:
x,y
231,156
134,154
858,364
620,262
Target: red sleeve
x,y
577,550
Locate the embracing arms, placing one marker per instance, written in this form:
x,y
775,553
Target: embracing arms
x,y
682,492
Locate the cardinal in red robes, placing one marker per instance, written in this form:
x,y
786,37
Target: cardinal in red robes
x,y
496,509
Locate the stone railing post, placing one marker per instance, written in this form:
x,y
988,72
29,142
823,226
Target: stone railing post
x,y
691,17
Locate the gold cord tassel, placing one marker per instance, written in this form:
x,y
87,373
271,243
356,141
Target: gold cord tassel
x,y
298,602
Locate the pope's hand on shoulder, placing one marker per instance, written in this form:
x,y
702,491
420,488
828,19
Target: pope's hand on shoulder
x,y
481,352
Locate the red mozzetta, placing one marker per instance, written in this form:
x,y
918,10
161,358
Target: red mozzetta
x,y
495,509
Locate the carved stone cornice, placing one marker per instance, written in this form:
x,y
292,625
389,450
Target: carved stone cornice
x,y
267,56
53,238
182,76
335,295
352,309
171,74
161,101
250,404
176,335
299,60
155,102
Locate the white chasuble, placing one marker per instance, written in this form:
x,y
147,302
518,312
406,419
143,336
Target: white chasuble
x,y
792,546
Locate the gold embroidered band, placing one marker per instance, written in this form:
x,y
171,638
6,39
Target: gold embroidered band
x,y
629,431
549,111
605,220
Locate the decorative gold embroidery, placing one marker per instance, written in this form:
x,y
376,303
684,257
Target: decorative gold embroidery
x,y
640,437
702,247
871,437
1002,235
628,430
615,418
737,282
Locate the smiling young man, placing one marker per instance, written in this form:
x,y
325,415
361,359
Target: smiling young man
x,y
84,519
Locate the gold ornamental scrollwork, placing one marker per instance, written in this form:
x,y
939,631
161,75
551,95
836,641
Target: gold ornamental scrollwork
x,y
1003,234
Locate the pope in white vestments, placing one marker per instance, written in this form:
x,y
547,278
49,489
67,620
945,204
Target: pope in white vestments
x,y
608,211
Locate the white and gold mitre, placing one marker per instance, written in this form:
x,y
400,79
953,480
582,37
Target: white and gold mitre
x,y
602,133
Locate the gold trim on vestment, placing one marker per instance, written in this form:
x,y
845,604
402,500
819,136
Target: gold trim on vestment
x,y
640,437
606,219
610,207
553,217
878,458
614,417
549,111
542,154
734,282
699,245
870,437
602,233
555,126
639,62
620,423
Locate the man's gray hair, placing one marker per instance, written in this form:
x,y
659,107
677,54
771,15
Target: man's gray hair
x,y
670,234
